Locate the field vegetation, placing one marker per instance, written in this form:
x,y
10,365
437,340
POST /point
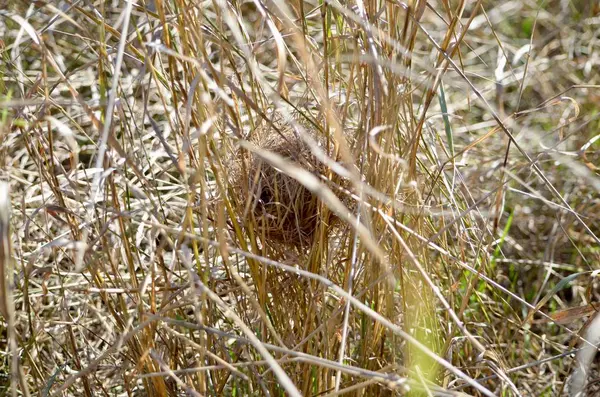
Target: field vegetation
x,y
299,198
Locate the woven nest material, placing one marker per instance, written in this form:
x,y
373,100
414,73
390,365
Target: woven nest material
x,y
283,210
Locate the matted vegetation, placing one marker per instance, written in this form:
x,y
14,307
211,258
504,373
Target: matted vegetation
x,y
298,198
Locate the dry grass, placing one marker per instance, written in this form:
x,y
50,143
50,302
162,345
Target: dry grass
x,y
297,198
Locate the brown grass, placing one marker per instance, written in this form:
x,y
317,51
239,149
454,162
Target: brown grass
x,y
364,198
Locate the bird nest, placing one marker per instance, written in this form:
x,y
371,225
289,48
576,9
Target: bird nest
x,y
281,209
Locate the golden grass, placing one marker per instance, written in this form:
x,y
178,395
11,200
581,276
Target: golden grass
x,y
297,198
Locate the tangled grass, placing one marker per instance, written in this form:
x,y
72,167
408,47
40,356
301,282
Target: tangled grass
x,y
298,198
